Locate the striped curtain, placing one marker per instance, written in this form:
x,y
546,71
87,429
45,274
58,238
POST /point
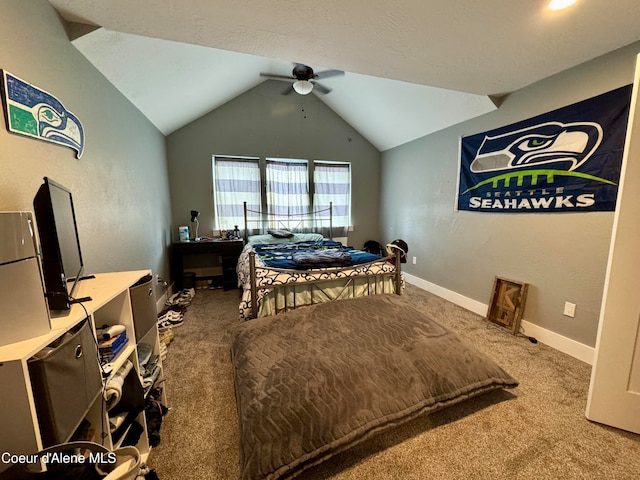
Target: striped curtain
x,y
235,181
287,190
332,181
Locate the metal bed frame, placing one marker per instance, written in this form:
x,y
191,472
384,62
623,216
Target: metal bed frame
x,y
294,221
311,220
317,285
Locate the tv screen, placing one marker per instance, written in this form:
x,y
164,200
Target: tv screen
x,y
61,255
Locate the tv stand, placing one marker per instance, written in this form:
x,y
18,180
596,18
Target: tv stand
x,y
110,304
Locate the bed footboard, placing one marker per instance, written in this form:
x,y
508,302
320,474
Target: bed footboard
x,y
316,288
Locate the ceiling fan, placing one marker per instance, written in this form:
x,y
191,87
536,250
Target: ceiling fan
x,y
304,79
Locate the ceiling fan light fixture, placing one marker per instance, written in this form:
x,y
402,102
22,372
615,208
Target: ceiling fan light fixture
x,y
560,4
303,87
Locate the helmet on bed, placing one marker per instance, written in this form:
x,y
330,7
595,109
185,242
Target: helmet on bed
x,y
401,245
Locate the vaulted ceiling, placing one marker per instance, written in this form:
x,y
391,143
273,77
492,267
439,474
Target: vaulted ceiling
x,y
412,66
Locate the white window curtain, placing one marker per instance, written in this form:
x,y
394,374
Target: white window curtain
x,y
332,182
287,189
235,180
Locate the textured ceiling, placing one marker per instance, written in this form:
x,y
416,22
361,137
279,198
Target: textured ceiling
x,y
487,47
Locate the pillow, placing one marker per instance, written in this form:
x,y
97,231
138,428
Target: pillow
x,y
296,238
257,239
307,237
280,233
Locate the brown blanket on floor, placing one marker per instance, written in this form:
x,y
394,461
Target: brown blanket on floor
x,y
315,381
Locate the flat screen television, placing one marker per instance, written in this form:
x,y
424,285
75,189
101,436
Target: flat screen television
x,y
62,264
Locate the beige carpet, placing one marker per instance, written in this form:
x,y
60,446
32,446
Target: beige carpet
x,y
536,431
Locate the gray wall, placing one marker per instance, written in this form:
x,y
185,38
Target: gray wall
x,y
562,256
120,185
264,123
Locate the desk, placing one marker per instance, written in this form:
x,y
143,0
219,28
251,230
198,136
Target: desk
x,y
229,250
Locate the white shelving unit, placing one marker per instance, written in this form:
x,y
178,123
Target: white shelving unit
x,y
110,304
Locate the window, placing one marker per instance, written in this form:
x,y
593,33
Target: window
x,y
332,184
287,187
235,181
282,187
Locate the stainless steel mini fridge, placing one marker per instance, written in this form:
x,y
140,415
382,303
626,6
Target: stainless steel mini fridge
x,y
23,309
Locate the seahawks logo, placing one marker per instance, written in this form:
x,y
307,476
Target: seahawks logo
x,y
566,145
560,148
38,114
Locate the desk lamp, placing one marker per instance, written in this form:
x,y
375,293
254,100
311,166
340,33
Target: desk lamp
x,y
194,218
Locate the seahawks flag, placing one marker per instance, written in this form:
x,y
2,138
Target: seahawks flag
x,y
567,160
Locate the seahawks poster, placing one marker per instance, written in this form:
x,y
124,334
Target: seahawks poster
x,y
567,160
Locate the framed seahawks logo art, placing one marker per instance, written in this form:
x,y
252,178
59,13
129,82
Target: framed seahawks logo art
x,y
35,113
567,160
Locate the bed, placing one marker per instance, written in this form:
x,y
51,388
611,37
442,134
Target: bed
x,y
280,270
315,381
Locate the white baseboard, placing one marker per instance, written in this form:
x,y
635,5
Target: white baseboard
x,y
162,297
160,302
454,297
566,345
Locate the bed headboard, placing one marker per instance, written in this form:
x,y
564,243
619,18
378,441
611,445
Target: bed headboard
x,y
258,222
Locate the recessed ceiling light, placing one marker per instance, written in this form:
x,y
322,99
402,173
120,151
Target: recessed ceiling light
x,y
560,4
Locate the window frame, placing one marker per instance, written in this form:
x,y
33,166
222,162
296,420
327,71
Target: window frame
x,y
262,166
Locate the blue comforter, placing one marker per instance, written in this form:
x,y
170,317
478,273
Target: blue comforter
x,y
306,255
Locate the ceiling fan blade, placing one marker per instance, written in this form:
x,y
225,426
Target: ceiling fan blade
x,y
275,76
318,87
329,73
